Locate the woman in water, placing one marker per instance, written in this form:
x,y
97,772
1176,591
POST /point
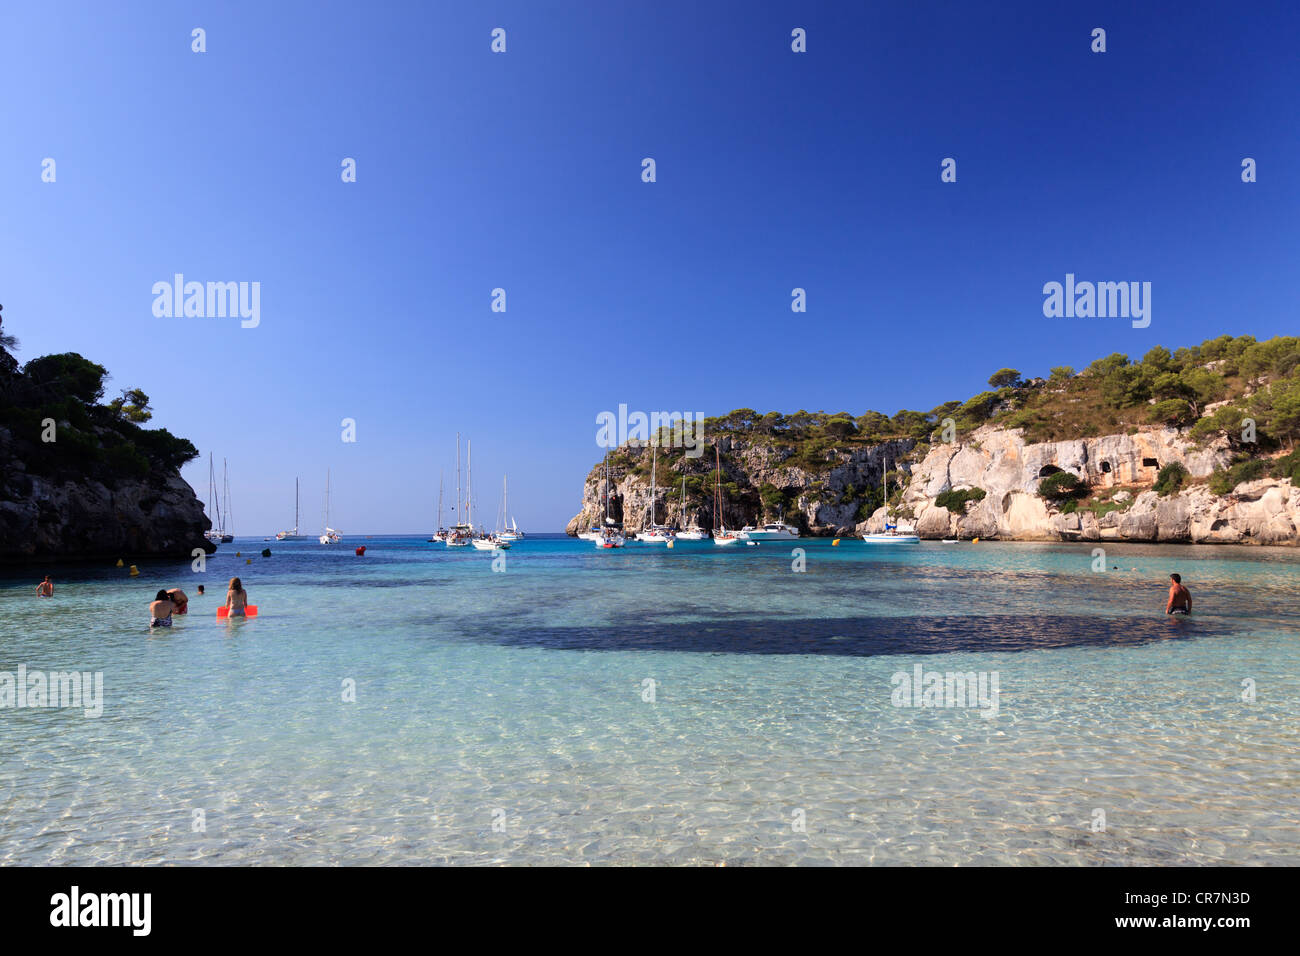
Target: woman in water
x,y
236,598
160,611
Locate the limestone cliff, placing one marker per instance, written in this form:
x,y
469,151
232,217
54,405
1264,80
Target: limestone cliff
x,y
1122,467
824,497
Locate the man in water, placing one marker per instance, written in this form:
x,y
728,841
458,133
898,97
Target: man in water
x,y
200,590
179,599
45,588
1180,599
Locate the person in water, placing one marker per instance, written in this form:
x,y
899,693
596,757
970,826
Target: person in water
x,y
236,598
45,588
200,590
179,599
160,611
1180,599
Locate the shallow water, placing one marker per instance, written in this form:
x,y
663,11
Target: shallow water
x,y
500,716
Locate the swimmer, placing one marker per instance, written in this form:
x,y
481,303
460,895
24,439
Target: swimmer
x,y
200,590
160,611
179,599
1180,599
45,588
236,598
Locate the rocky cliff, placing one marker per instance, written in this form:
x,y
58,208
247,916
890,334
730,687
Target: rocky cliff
x,y
830,498
78,481
761,481
1120,471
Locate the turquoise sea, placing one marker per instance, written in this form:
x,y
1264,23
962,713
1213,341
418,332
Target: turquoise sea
x,y
699,705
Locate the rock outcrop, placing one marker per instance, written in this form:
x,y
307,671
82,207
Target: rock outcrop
x,y
825,500
998,461
85,519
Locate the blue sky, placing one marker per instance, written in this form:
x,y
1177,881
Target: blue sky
x,y
522,170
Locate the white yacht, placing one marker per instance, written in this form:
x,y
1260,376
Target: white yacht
x,y
611,538
772,531
721,536
654,533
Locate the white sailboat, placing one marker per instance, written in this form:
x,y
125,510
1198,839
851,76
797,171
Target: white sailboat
x,y
460,534
609,535
292,535
891,534
692,533
721,536
215,534
511,533
330,536
441,533
655,533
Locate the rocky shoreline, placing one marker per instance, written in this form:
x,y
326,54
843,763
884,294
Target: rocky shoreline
x,y
1119,471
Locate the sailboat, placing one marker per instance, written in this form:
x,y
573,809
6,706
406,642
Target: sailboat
x,y
226,537
721,535
216,532
292,535
655,533
330,536
891,534
692,533
610,535
511,533
441,533
460,534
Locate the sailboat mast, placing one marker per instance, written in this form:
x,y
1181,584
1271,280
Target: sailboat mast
x,y
469,483
654,461
457,477
440,480
295,505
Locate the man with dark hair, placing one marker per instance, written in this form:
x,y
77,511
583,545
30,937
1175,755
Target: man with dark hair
x,y
46,587
1180,599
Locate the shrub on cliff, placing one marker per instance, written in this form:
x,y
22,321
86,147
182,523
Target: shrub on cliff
x,y
1224,481
955,500
1061,486
1170,479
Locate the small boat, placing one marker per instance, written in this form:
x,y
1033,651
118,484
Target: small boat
x,y
949,541
292,535
511,533
611,538
458,536
330,536
657,534
692,533
490,542
891,534
721,536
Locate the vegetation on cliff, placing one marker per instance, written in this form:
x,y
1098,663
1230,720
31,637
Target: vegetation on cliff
x,y
59,429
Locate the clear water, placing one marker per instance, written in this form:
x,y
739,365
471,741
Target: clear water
x,y
499,716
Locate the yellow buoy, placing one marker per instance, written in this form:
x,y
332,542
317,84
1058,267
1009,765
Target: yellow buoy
x,y
120,564
135,572
239,554
248,560
835,543
974,540
671,543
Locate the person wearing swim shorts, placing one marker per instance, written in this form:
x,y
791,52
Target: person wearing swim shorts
x,y
45,588
160,611
236,598
1180,599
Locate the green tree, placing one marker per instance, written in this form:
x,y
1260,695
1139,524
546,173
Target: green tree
x,y
132,406
66,375
1005,378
